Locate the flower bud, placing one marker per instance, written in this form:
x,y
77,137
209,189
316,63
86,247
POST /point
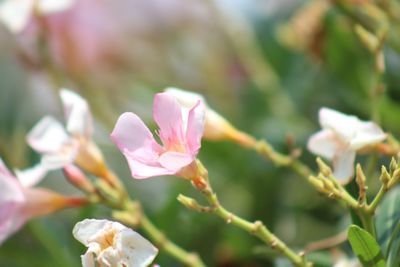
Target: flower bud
x,y
216,127
76,177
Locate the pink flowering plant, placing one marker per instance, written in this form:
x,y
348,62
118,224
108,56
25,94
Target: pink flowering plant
x,y
332,165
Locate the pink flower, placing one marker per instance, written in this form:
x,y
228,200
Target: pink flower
x,y
340,138
180,132
19,202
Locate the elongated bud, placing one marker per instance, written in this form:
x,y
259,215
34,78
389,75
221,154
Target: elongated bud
x,y
76,177
395,178
216,127
324,168
368,39
393,165
316,182
192,204
385,176
361,182
90,159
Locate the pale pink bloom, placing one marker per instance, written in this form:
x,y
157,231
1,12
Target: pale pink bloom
x,y
61,145
19,202
113,244
16,14
181,129
340,138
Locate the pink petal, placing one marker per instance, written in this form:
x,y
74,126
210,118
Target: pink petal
x,y
175,161
140,170
324,143
11,219
167,114
47,136
10,189
343,165
77,113
131,134
195,127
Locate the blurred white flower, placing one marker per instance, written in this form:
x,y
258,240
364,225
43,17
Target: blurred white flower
x,y
15,14
61,146
340,138
346,262
112,244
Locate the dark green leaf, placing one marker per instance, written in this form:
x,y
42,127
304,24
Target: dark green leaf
x,y
387,226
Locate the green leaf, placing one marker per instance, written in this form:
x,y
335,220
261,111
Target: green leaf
x,y
388,227
365,247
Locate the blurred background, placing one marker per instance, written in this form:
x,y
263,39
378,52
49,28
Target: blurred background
x,y
267,66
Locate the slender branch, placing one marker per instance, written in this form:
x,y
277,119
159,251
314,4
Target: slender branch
x,y
256,228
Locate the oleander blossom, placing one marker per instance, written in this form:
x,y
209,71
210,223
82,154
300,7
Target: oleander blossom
x,y
61,145
340,138
111,244
180,131
16,14
19,202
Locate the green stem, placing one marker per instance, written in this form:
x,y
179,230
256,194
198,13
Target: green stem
x,y
267,151
378,198
256,228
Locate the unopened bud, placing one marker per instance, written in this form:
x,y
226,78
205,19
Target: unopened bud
x,y
192,204
368,39
393,165
77,178
324,168
216,127
316,182
90,159
395,178
361,182
385,176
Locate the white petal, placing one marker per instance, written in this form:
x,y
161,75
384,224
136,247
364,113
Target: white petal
x,y
58,160
324,143
87,229
114,244
344,125
135,250
52,6
88,259
15,14
368,133
47,136
32,176
343,166
185,98
77,113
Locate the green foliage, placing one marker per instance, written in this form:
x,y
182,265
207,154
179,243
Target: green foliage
x,y
365,247
388,227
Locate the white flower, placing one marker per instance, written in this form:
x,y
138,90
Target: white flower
x,y
15,14
111,244
340,138
60,146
